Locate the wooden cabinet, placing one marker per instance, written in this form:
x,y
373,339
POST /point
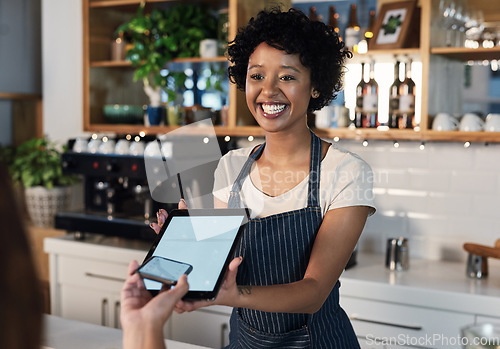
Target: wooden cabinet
x,y
107,81
111,82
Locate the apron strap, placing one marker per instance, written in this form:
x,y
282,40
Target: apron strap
x,y
234,195
314,174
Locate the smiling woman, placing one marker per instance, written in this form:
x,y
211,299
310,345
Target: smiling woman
x,y
309,200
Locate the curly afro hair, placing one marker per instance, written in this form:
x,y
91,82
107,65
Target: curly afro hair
x,y
318,45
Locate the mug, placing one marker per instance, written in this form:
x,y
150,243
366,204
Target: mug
x,y
492,123
80,145
93,146
208,48
107,147
137,148
122,147
152,149
397,254
471,123
444,122
324,117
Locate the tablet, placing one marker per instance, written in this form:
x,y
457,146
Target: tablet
x,y
203,238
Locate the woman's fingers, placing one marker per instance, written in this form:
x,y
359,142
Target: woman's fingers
x,y
161,217
182,205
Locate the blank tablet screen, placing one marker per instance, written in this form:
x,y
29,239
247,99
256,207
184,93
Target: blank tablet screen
x,y
203,241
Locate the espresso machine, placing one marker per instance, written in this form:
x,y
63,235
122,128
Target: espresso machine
x,y
117,197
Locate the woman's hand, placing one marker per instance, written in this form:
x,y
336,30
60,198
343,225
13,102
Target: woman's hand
x,y
161,216
143,316
228,293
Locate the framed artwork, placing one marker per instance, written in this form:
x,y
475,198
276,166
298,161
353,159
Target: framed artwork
x,y
391,29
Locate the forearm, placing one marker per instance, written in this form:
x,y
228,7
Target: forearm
x,y
304,296
144,337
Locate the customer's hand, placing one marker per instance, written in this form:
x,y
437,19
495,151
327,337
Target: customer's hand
x,y
162,215
143,316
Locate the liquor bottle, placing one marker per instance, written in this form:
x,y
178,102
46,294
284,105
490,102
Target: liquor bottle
x,y
313,14
407,92
369,32
370,100
333,17
351,35
358,111
394,99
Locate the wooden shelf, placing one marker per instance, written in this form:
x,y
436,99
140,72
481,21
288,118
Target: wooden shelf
x,y
468,54
118,3
386,55
342,133
189,60
239,12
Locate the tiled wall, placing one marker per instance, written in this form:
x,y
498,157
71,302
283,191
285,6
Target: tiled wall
x,y
438,197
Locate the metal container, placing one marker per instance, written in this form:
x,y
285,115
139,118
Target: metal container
x,y
477,266
397,254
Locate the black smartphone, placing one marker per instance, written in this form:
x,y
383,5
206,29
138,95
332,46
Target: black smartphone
x,y
164,270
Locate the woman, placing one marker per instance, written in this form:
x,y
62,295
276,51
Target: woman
x,y
20,291
309,199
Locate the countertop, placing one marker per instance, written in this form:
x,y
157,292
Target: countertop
x,y
427,283
61,333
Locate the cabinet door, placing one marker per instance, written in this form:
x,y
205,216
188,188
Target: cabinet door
x,y
400,325
201,327
94,306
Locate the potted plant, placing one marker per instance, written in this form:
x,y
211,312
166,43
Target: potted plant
x,y
36,166
161,36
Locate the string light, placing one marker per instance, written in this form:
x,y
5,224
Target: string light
x,y
227,138
336,139
142,134
422,146
250,138
365,143
206,140
396,144
467,144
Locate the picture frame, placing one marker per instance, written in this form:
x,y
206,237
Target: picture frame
x,y
393,24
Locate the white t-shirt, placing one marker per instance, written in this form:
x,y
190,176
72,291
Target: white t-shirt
x,y
346,180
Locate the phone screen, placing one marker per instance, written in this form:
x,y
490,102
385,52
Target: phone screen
x,y
165,270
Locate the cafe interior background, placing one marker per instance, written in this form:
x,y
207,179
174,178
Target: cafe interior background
x,y
437,193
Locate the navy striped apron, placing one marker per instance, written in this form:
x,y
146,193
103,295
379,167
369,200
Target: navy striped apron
x,y
276,250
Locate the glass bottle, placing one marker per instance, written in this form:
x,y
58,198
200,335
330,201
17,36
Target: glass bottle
x,y
394,98
370,100
358,111
369,32
333,17
407,92
313,14
351,35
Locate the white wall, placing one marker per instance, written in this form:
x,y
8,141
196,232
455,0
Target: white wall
x,y
439,197
62,54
